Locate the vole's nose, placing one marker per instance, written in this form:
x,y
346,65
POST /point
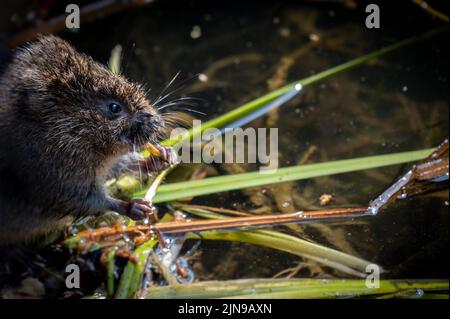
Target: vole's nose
x,y
154,120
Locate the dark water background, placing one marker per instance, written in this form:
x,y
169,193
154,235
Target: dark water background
x,y
398,103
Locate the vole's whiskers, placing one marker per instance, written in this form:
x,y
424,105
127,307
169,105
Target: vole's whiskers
x,y
146,162
179,104
176,119
190,110
161,95
188,100
140,172
164,95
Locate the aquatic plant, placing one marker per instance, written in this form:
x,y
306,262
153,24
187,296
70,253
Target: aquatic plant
x,y
146,247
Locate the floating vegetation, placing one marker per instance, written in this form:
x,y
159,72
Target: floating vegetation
x,y
155,248
309,211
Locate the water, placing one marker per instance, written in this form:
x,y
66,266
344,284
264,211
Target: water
x,y
244,49
397,103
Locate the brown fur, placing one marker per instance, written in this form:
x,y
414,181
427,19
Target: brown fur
x,y
57,140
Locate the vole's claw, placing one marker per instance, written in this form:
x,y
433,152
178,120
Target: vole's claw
x,y
167,157
139,209
168,154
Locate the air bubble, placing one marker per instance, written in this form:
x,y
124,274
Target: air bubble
x,y
196,32
286,204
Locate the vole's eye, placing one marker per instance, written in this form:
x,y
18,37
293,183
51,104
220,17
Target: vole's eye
x,y
114,108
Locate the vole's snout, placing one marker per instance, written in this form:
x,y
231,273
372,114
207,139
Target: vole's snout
x,y
145,126
154,120
149,121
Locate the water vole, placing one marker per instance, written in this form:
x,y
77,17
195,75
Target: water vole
x,y
66,122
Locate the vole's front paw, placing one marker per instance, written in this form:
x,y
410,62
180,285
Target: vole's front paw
x,y
139,209
166,157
